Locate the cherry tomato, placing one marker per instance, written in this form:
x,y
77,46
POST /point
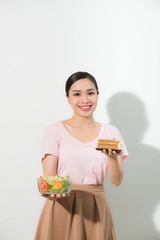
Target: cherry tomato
x,y
43,185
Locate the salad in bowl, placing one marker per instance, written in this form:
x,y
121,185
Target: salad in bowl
x,y
54,184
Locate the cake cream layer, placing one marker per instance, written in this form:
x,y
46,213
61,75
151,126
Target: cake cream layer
x,y
108,147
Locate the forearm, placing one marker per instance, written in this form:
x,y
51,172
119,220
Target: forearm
x,y
115,170
49,165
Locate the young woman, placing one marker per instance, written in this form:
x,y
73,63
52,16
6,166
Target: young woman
x,y
69,148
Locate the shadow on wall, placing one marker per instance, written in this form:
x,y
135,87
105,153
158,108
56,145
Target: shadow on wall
x,y
134,202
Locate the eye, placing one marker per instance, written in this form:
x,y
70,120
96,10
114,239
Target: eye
x,y
76,94
91,93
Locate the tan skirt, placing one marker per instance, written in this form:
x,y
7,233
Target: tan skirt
x,y
84,215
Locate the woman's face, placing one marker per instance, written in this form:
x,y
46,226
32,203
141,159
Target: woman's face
x,y
83,97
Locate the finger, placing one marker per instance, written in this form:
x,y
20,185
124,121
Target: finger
x,y
104,151
65,195
52,195
110,152
119,153
114,153
42,195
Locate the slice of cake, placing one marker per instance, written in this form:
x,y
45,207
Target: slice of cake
x,y
115,145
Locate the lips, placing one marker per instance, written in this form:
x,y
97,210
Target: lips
x,y
85,107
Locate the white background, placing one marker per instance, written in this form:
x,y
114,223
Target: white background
x,y
41,44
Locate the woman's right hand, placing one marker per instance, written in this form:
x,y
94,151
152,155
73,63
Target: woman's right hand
x,y
54,196
49,169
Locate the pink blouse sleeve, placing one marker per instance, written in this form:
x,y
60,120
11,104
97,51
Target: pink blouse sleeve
x,y
50,141
118,136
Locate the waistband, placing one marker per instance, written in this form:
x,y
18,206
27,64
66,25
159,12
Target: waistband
x,y
87,187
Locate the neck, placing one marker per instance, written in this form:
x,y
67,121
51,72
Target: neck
x,y
82,121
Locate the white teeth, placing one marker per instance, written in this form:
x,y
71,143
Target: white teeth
x,y
85,107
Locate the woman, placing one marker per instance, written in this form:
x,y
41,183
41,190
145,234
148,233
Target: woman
x,y
69,148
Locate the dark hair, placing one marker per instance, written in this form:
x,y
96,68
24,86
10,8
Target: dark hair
x,y
77,76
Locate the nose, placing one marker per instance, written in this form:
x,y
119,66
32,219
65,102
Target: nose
x,y
84,98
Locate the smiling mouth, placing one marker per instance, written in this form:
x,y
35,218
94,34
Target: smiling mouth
x,y
85,108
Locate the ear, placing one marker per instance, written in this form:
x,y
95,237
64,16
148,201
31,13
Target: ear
x,y
68,99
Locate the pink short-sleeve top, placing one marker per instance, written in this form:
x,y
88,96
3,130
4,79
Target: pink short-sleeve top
x,y
81,161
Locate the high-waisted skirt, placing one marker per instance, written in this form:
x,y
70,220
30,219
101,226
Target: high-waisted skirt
x,y
84,215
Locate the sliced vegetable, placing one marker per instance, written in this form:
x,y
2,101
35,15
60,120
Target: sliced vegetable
x,y
43,185
57,185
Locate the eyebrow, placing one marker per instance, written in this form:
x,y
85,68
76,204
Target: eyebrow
x,y
90,89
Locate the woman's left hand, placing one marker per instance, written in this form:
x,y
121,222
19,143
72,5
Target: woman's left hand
x,y
111,154
114,166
